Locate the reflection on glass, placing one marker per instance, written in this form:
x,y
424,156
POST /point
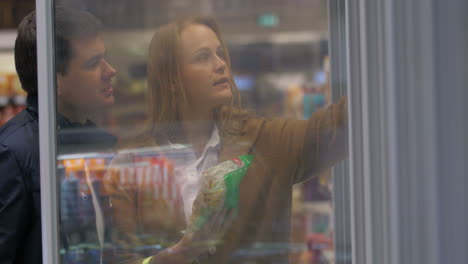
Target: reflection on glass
x,y
197,176
84,89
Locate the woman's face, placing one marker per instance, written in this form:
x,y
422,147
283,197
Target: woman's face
x,y
205,74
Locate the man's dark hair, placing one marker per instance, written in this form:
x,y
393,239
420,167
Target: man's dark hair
x,y
69,24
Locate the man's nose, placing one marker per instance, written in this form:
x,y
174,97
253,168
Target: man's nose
x,y
109,70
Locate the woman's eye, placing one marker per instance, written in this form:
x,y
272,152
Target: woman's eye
x,y
221,55
202,57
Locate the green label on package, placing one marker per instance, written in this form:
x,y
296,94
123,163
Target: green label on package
x,y
220,184
234,178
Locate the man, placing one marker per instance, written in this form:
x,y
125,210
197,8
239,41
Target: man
x,y
83,88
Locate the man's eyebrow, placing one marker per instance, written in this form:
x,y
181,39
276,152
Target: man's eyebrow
x,y
96,57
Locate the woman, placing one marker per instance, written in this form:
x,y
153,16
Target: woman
x,y
194,102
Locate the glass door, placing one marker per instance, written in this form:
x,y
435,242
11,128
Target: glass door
x,y
209,131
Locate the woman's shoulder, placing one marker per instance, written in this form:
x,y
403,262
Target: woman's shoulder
x,y
246,122
239,121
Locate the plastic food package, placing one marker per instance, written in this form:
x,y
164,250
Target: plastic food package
x,y
220,184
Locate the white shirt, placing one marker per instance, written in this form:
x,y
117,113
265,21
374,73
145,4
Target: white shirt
x,y
188,171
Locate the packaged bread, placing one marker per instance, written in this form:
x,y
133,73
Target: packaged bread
x,y
219,187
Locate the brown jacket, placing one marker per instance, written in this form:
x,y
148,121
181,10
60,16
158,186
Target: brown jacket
x,y
286,152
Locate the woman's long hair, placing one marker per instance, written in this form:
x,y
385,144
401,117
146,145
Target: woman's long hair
x,y
165,89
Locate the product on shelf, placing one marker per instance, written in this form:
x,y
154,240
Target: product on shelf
x,y
152,176
12,97
147,177
220,187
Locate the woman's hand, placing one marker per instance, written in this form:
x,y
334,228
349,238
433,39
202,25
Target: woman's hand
x,y
196,242
209,235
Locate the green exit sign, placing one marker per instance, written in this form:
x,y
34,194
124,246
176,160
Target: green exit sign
x,y
268,20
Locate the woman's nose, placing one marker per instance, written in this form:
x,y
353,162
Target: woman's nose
x,y
220,64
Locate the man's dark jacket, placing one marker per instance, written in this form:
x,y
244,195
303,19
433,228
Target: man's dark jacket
x,y
20,199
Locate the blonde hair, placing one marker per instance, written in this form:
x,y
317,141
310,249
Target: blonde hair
x,y
165,89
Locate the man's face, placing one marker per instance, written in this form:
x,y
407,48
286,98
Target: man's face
x,y
86,87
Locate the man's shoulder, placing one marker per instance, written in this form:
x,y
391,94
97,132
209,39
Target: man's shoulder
x,y
21,132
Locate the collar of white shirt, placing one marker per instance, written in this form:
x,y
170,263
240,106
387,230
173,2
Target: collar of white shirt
x,y
214,142
188,170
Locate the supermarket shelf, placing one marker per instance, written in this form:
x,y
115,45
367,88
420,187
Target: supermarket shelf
x,y
7,40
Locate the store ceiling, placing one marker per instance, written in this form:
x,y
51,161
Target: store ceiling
x,y
235,16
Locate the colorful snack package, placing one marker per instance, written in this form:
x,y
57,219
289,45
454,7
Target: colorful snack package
x,y
220,184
